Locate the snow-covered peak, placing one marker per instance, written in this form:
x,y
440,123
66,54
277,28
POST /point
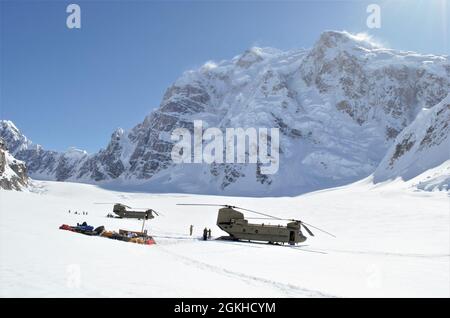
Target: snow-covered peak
x,y
8,124
119,132
254,55
346,40
12,136
75,153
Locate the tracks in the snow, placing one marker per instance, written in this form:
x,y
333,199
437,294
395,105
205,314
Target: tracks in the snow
x,y
285,289
288,290
184,239
381,253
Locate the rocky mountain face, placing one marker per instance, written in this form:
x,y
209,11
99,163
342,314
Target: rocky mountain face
x,y
421,147
339,107
13,173
41,163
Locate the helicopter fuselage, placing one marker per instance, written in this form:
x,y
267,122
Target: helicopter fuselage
x,y
234,223
122,212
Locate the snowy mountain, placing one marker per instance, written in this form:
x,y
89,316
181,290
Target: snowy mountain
x,y
339,107
13,173
423,145
41,163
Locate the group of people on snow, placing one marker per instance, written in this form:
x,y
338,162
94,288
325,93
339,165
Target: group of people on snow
x,y
206,232
80,213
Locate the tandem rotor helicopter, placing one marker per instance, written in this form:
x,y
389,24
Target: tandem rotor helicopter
x,y
126,212
237,226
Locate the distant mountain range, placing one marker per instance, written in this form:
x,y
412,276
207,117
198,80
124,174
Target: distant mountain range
x,y
346,108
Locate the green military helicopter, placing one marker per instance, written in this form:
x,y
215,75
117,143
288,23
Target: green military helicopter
x,y
126,212
238,227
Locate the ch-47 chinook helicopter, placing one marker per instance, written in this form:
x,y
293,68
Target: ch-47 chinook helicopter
x,y
233,222
124,211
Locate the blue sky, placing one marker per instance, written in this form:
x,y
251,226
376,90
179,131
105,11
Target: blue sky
x,y
66,87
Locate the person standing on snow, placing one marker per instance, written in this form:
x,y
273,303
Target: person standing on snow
x,y
209,233
205,234
191,229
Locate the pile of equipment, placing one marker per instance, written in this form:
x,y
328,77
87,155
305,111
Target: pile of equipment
x,y
123,235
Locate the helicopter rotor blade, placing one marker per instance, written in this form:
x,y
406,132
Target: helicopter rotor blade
x,y
203,204
104,203
260,213
113,203
235,207
259,218
134,208
157,213
317,228
303,223
306,228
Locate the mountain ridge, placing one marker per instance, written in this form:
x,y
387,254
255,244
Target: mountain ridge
x,y
13,172
339,107
420,147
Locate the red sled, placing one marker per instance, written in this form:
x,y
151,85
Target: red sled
x,y
66,227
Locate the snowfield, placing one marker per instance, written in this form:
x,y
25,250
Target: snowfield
x,y
391,242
